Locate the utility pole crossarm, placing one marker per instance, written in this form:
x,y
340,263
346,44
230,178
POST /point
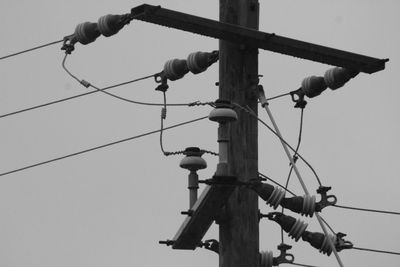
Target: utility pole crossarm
x,y
256,39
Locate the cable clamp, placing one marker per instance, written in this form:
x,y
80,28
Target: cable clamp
x,y
69,43
341,244
161,78
298,98
283,257
326,200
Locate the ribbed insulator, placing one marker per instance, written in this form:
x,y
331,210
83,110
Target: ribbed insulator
x,y
198,62
175,69
109,24
297,230
266,259
319,241
276,197
308,205
223,112
193,160
313,86
86,32
337,77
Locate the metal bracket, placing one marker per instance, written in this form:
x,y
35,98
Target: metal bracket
x,y
283,257
298,98
325,199
162,80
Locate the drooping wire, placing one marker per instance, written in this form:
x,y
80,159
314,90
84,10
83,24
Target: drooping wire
x,y
377,251
369,210
31,49
294,159
103,90
99,147
285,148
282,139
163,117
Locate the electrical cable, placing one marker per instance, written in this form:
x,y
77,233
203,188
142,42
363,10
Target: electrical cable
x,y
31,49
299,264
285,147
377,251
103,90
278,96
163,117
99,147
369,210
282,140
294,158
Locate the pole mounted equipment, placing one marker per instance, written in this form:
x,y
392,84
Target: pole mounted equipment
x,y
268,260
193,162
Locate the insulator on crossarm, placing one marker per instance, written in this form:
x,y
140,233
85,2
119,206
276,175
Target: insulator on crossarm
x,y
86,32
266,259
110,24
319,241
313,86
337,77
200,61
175,69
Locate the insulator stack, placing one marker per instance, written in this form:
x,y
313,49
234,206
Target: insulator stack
x,y
337,77
193,162
86,32
110,24
266,259
295,228
175,69
199,61
319,241
271,194
313,86
304,205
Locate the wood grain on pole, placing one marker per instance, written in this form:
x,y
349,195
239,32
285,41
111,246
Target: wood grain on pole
x,y
238,73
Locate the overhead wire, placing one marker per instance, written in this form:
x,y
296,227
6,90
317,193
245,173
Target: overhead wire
x,y
299,264
103,90
368,210
31,49
99,147
294,158
377,251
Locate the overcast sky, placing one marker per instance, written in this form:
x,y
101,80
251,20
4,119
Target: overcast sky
x,y
111,206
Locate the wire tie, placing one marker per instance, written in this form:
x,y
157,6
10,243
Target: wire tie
x,y
85,83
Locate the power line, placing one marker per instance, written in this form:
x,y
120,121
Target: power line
x,y
299,264
278,184
282,139
31,49
102,90
369,210
377,251
98,147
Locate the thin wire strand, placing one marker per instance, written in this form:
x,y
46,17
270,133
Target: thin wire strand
x,y
163,117
102,90
299,264
99,147
282,140
302,183
369,210
278,96
377,251
294,158
327,224
30,49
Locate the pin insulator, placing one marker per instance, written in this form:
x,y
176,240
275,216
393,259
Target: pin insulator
x,y
223,112
313,86
337,77
175,69
86,32
193,160
110,24
199,61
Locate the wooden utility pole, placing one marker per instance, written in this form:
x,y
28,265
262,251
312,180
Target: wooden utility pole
x,y
238,75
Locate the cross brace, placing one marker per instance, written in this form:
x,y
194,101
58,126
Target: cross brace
x,y
257,39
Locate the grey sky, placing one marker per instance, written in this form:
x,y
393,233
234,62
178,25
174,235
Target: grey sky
x,y
110,207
